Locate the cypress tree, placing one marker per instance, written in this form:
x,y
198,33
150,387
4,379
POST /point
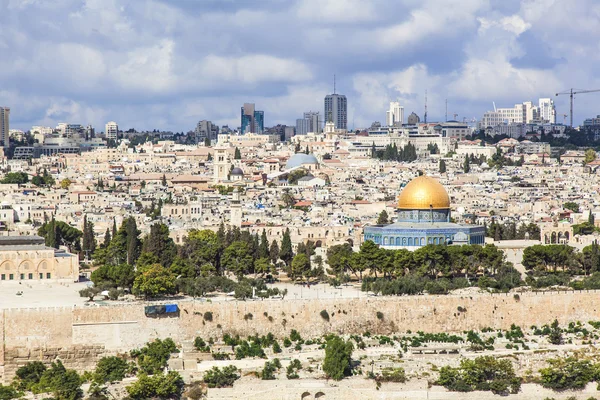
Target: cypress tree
x,y
286,253
442,166
114,227
274,251
106,238
263,248
133,241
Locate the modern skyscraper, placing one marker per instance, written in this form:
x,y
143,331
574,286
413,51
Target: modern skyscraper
x,y
252,120
111,130
310,123
4,125
547,110
395,115
336,108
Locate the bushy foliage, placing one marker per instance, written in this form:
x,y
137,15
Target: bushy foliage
x,y
483,373
338,358
159,386
568,373
219,378
110,369
152,358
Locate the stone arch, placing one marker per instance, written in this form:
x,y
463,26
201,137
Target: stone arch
x,y
350,242
319,395
385,241
398,241
553,237
305,396
8,267
435,241
318,243
422,241
410,241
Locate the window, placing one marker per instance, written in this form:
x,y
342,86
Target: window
x,y
3,277
22,276
30,276
48,275
41,276
11,277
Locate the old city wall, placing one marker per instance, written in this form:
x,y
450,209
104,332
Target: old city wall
x,y
79,336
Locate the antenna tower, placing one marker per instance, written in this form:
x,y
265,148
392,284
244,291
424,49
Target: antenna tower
x,y
446,110
333,83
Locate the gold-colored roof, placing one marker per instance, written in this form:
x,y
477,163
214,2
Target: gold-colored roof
x,y
424,193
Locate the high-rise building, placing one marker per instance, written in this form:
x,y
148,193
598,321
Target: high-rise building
x,y
252,120
206,130
111,131
395,115
547,111
4,125
336,108
311,122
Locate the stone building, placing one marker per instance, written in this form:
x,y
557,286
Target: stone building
x,y
27,258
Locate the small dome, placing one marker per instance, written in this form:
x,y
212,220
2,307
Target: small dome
x,y
423,193
237,172
300,158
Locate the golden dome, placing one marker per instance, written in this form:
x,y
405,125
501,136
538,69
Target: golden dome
x,y
423,193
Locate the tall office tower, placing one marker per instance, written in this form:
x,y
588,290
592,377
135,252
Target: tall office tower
x,y
547,110
336,108
111,130
311,122
4,125
252,120
206,130
395,115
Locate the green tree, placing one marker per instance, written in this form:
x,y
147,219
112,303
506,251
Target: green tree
x,y
383,218
570,205
338,358
274,251
339,258
295,175
65,183
300,266
481,373
15,178
286,253
88,241
62,383
263,248
220,378
238,259
466,165
590,155
154,281
160,244
159,386
110,369
237,155
442,166
568,373
29,375
153,358
164,180
59,233
555,335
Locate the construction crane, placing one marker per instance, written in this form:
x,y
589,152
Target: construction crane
x,y
573,92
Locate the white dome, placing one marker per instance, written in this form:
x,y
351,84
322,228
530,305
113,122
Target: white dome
x,y
300,158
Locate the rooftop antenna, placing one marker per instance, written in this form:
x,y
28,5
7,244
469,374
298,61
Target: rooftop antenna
x,y
333,83
425,116
494,103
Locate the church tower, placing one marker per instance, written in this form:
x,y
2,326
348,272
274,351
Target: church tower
x,y
221,163
236,209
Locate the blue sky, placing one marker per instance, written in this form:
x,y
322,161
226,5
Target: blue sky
x,y
166,64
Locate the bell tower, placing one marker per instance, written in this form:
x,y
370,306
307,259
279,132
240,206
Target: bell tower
x,y
221,163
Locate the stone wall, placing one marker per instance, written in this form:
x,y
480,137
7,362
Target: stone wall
x,y
121,328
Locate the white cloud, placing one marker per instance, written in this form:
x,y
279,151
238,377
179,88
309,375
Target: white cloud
x,y
336,11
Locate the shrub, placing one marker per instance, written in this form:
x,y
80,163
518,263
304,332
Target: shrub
x,y
248,316
292,369
379,315
567,373
157,386
29,375
276,348
220,356
482,373
153,358
217,378
8,393
208,316
287,342
325,315
201,345
110,369
392,375
295,336
337,362
268,372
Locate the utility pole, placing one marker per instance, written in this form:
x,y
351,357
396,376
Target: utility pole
x,y
425,116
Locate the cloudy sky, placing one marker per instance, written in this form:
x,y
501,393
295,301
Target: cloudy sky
x,y
166,64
